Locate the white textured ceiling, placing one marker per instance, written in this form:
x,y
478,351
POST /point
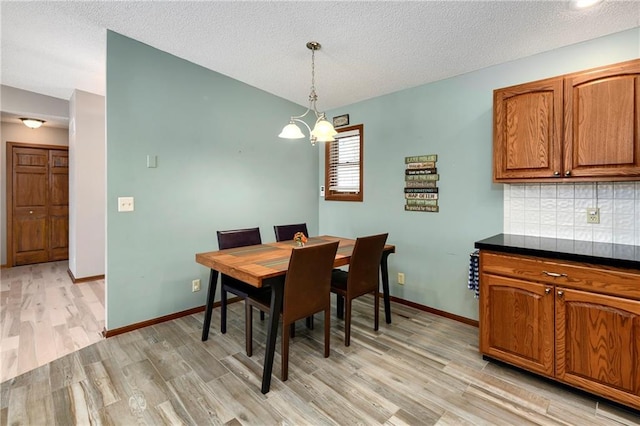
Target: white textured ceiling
x,y
368,48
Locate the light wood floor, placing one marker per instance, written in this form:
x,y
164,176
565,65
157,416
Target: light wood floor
x,y
44,316
420,370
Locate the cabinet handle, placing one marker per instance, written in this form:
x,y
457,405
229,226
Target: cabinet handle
x,y
567,173
547,290
556,173
554,274
560,293
30,211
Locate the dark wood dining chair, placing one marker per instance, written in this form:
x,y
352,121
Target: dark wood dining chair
x,y
231,239
286,232
306,291
362,278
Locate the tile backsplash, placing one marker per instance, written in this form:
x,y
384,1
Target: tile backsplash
x,y
558,210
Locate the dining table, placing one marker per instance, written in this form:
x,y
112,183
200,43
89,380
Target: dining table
x,y
265,265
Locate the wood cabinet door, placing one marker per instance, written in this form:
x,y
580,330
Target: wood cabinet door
x,y
516,322
598,344
527,130
602,122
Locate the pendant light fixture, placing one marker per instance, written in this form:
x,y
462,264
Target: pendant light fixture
x,y
323,131
32,123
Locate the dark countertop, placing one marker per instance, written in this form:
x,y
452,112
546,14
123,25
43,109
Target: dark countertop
x,y
617,255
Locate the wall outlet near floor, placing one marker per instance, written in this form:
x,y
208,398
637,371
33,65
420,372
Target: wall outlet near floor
x,y
400,278
593,215
195,285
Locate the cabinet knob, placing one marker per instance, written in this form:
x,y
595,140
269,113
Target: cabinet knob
x,y
567,173
547,290
30,211
560,293
556,173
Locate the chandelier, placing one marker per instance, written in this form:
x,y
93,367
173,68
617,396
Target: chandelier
x,y
323,131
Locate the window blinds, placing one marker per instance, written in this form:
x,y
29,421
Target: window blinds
x,y
344,163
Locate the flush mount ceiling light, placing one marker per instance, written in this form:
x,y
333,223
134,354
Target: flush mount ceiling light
x,y
323,131
32,123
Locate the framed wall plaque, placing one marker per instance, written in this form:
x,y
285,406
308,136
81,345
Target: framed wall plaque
x,y
341,120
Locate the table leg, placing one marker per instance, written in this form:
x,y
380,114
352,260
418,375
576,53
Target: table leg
x,y
385,286
211,295
277,293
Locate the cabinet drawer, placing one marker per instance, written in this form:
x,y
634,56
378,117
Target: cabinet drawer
x,y
582,276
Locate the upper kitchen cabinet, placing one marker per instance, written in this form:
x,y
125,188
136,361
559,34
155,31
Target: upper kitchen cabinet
x,y
527,130
602,116
578,127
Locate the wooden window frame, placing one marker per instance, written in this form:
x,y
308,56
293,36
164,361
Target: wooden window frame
x,y
332,195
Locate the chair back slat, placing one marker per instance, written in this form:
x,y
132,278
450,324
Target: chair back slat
x,y
286,232
238,238
307,287
364,267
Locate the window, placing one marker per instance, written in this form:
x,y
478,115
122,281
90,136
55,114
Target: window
x,y
343,165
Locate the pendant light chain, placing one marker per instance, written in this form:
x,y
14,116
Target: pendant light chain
x,y
313,97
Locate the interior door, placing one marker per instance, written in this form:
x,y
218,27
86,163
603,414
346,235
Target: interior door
x,y
58,205
38,219
30,170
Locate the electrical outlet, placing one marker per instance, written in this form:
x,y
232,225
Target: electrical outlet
x,y
195,285
400,278
125,204
593,215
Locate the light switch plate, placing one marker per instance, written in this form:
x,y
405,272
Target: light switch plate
x,y
152,161
125,204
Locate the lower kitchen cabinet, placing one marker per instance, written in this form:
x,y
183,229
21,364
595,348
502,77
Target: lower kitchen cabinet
x,y
576,323
516,322
598,343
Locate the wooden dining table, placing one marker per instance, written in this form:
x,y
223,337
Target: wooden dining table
x,y
266,265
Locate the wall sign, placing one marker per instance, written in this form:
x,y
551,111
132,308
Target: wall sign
x,y
420,183
341,120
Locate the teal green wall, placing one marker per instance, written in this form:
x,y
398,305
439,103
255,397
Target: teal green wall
x,y
220,166
453,119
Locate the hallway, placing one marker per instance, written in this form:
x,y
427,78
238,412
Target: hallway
x,y
45,316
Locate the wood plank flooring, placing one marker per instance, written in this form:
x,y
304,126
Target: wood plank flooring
x,y
44,316
420,370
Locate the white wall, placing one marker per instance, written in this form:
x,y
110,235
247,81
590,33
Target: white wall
x,y
14,132
35,105
86,185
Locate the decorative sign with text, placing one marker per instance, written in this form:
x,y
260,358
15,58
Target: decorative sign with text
x,y
420,183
